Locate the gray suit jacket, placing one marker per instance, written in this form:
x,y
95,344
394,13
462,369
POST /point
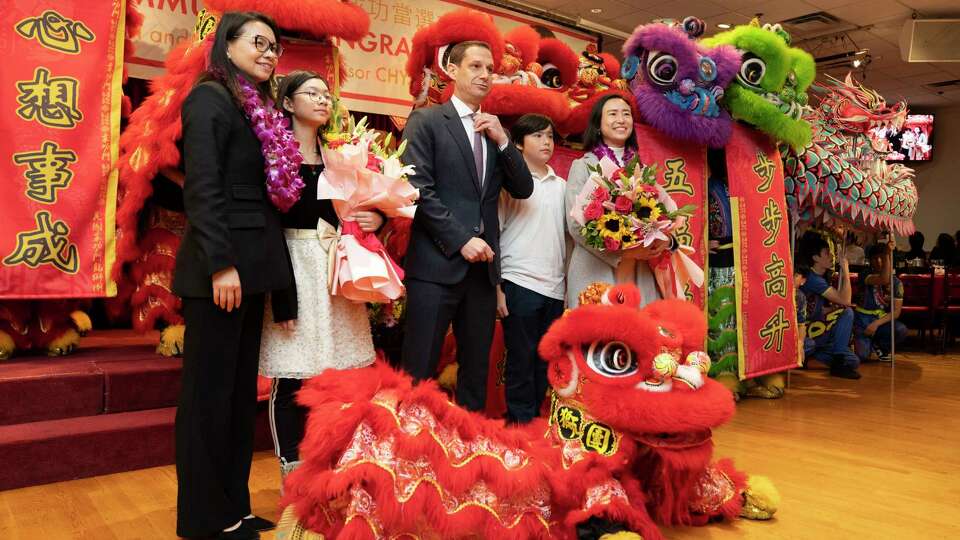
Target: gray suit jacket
x,y
588,264
453,207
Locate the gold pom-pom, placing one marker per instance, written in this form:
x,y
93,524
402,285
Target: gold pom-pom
x,y
762,499
7,346
665,364
171,340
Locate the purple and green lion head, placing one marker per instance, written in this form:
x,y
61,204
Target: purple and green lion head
x,y
677,82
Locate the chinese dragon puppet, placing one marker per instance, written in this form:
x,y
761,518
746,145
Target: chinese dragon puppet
x,y
55,326
627,447
753,326
841,177
149,208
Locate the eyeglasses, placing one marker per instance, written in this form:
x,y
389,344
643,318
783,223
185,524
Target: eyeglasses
x,y
263,44
315,97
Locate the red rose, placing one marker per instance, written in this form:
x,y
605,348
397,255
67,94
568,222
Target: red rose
x,y
373,163
611,244
623,204
593,211
650,190
618,173
601,194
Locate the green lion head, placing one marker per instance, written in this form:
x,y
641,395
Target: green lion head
x,y
770,91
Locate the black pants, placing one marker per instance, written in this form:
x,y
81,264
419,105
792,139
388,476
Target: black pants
x,y
530,315
216,414
287,419
472,306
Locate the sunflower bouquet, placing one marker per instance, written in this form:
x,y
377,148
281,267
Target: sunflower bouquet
x,y
624,207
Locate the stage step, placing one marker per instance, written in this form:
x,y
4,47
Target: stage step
x,y
64,449
95,380
109,407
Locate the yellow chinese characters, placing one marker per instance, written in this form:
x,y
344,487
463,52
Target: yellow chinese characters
x,y
764,168
52,101
54,31
776,282
48,170
773,329
676,177
49,243
771,221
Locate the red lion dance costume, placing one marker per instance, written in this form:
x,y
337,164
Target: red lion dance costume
x,y
627,447
148,147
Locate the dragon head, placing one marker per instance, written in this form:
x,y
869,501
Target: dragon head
x,y
677,84
770,91
640,372
857,109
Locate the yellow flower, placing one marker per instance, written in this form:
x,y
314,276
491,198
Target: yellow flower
x,y
649,209
611,225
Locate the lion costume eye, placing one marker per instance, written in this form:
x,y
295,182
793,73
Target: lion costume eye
x,y
752,70
611,359
551,76
662,67
443,57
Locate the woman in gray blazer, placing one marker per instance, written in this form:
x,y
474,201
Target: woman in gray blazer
x,y
609,133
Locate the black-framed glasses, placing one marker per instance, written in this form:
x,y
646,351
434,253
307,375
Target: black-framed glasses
x,y
316,97
262,44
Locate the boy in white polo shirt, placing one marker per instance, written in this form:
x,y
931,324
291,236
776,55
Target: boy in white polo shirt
x,y
532,255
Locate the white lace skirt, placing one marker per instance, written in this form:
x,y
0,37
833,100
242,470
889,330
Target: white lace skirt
x,y
331,332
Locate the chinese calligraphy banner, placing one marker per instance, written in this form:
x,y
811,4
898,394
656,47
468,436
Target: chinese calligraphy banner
x,y
682,171
375,79
60,96
767,335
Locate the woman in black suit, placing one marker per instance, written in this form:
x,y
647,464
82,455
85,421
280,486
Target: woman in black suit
x,y
226,262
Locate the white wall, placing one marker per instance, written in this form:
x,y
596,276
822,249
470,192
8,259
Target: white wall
x,y
938,180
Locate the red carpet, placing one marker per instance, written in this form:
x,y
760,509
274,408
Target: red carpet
x,y
107,408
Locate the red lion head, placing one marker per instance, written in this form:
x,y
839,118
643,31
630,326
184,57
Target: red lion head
x,y
640,371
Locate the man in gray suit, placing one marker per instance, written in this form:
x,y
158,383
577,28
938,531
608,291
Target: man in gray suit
x,y
463,157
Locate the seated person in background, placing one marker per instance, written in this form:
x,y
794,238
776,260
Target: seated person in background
x,y
916,249
945,252
829,314
872,318
856,256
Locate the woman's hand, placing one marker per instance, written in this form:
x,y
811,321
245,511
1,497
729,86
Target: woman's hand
x,y
368,221
288,326
226,289
641,253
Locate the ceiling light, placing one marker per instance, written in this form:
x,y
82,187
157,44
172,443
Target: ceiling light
x,y
724,26
596,10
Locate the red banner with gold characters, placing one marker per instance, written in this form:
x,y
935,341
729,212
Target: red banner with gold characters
x,y
767,336
682,171
60,95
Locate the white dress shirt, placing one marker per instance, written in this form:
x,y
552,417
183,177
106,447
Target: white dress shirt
x,y
533,237
466,117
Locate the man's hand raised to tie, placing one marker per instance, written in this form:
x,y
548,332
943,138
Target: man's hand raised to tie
x,y
476,250
490,124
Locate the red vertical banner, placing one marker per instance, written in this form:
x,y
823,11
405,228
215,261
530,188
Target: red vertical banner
x,y
766,310
60,101
682,171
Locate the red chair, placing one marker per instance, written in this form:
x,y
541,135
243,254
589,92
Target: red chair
x,y
949,307
918,302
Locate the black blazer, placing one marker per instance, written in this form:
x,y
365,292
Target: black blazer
x,y
231,222
452,204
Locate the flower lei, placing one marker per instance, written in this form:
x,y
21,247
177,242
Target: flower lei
x,y
281,151
601,150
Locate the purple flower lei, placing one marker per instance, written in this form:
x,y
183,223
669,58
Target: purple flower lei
x,y
601,149
281,151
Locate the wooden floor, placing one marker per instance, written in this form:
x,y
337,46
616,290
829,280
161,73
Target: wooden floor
x,y
872,459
